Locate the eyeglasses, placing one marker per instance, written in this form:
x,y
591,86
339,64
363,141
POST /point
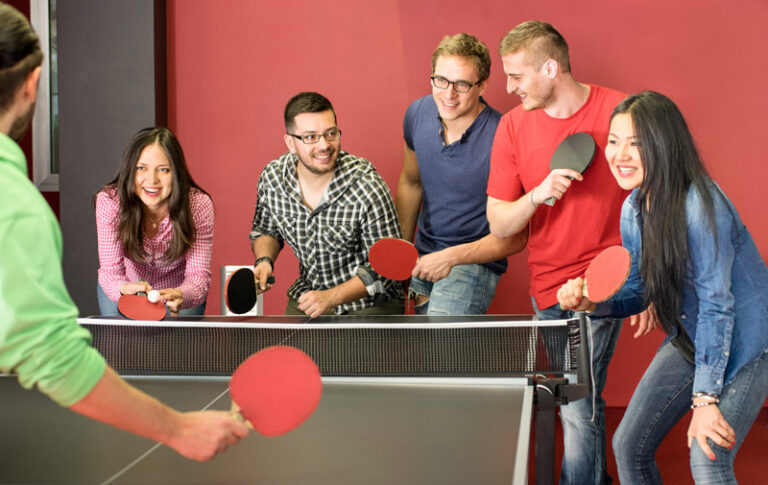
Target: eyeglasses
x,y
310,138
459,86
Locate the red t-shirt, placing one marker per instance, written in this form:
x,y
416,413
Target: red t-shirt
x,y
564,238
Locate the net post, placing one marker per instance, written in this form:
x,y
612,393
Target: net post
x,y
584,363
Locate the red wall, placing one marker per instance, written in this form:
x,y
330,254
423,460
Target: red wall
x,y
234,64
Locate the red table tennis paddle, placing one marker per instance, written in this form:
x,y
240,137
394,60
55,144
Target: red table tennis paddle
x,y
393,258
607,273
137,307
276,389
241,292
576,152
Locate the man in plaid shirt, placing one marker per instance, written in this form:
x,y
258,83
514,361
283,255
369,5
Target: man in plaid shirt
x,y
330,207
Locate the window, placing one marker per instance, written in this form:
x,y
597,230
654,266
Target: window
x,y
45,125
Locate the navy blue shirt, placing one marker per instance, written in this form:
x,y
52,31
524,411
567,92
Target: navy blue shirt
x,y
454,177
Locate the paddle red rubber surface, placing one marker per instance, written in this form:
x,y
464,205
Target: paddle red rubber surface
x,y
393,258
276,389
138,307
607,273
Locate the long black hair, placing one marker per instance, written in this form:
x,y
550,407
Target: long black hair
x,y
129,227
671,167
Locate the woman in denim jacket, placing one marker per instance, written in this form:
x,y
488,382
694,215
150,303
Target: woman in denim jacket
x,y
696,265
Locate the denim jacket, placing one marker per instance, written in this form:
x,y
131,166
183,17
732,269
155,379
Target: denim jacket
x,y
724,305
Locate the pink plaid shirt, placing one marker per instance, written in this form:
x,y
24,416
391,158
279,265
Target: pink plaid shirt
x,y
190,273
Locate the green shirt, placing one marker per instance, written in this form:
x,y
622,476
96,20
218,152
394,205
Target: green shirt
x,y
40,340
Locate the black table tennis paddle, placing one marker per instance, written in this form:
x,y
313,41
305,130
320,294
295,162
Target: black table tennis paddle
x,y
241,291
575,152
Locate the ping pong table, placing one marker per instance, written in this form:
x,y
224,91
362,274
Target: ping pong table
x,y
406,400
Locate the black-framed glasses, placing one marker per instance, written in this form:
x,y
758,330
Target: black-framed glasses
x,y
459,86
310,138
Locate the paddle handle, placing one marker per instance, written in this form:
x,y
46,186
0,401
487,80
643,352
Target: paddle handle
x,y
551,201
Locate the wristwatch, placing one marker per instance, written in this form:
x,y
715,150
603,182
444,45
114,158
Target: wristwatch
x,y
267,259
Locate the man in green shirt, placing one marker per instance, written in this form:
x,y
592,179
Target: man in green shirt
x,y
40,340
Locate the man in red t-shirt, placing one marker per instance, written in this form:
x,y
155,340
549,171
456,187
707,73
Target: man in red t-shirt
x,y
585,219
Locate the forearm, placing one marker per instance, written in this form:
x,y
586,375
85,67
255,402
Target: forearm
x,y
489,248
265,246
115,402
508,218
351,290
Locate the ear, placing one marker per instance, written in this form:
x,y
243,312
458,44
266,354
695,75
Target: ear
x,y
29,88
290,142
551,68
481,87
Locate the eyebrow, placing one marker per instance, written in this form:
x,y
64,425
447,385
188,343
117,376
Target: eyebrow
x,y
456,81
318,132
617,136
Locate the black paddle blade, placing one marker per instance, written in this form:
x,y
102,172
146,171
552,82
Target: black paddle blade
x,y
575,152
241,291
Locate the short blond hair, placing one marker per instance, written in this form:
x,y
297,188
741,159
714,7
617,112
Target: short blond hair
x,y
541,42
465,45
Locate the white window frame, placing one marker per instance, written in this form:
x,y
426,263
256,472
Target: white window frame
x,y
43,177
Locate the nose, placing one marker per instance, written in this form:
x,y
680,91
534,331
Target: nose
x,y
623,153
322,143
511,85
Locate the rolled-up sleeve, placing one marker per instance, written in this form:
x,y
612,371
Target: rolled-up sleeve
x,y
264,223
380,222
40,340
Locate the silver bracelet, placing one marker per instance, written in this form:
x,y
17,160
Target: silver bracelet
x,y
705,395
703,403
532,202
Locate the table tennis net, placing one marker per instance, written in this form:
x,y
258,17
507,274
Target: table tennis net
x,y
434,349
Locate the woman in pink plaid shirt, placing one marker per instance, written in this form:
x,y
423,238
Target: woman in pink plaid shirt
x,y
155,228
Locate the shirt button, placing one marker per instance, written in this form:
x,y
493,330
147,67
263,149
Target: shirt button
x,y
727,354
718,381
683,316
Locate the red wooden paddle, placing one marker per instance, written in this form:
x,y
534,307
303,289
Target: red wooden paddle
x,y
607,273
576,152
276,389
241,291
137,307
393,258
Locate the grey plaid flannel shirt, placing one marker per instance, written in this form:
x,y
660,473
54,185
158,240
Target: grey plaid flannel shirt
x,y
332,241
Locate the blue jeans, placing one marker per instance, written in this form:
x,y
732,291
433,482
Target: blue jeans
x,y
663,397
584,437
467,290
108,307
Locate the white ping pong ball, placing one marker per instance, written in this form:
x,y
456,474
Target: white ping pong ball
x,y
153,296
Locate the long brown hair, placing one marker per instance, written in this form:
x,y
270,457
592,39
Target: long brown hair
x,y
129,224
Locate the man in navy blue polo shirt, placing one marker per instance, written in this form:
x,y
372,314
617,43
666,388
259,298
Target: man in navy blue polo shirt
x,y
442,187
